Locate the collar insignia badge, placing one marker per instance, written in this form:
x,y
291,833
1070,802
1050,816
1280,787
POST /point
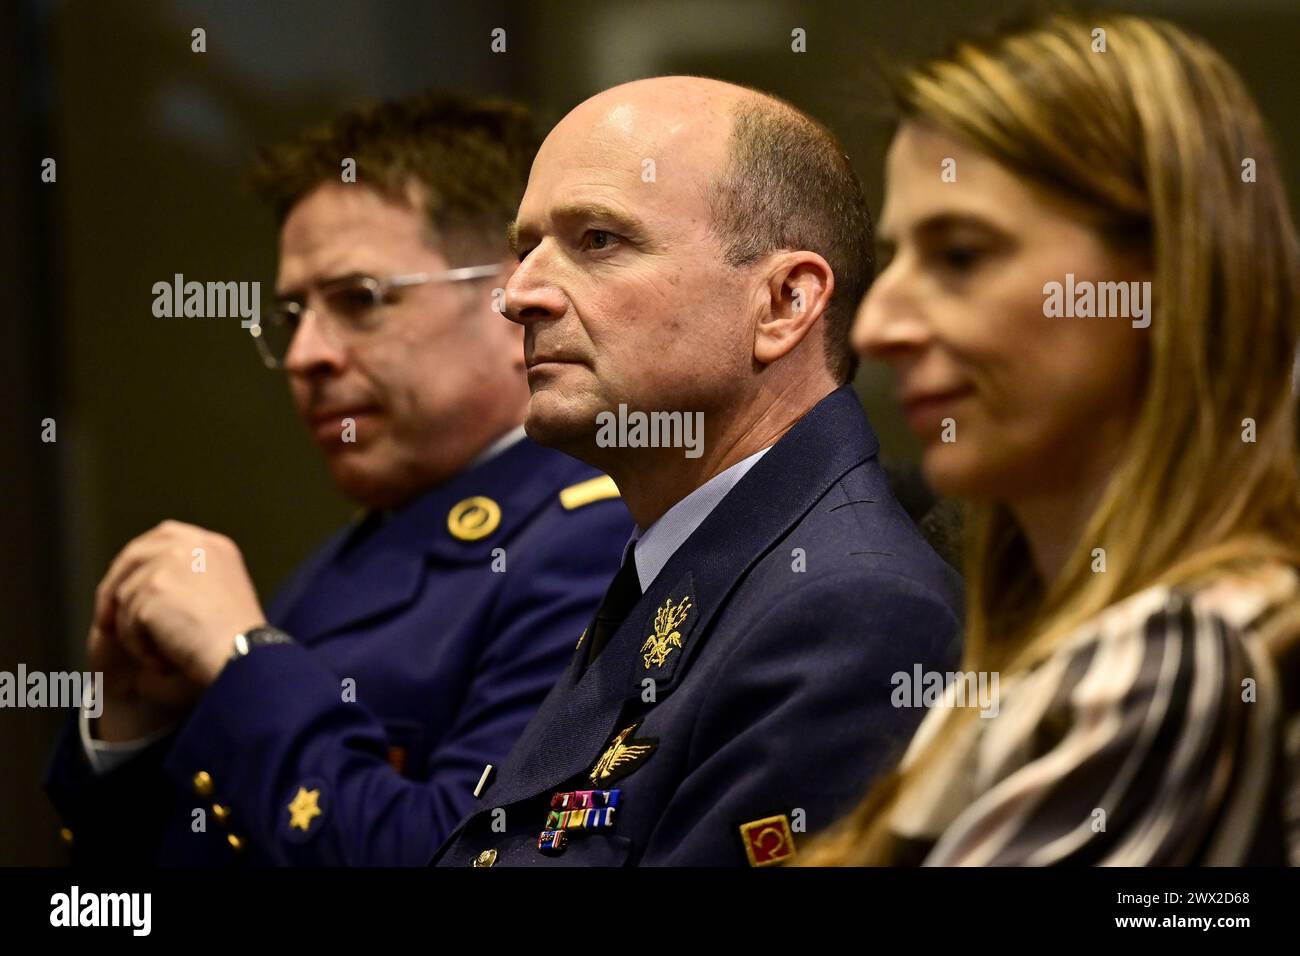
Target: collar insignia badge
x,y
473,518
667,636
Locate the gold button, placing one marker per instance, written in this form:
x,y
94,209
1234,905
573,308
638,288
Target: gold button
x,y
66,836
203,783
235,842
486,858
221,813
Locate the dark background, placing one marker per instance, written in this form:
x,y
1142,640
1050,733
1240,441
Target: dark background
x,y
176,418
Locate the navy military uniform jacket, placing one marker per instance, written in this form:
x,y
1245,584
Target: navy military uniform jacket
x,y
423,646
747,696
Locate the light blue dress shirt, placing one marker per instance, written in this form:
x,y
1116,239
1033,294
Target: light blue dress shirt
x,y
660,541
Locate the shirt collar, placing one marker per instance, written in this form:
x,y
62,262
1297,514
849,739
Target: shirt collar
x,y
660,541
498,446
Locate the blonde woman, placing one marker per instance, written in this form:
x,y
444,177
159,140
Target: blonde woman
x,y
1130,461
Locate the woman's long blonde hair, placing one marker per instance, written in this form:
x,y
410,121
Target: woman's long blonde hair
x,y
1160,138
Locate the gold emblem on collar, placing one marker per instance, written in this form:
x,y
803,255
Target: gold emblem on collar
x,y
666,637
473,518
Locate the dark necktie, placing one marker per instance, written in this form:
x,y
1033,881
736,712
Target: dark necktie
x,y
623,593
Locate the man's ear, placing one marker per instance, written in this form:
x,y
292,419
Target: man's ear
x,y
799,290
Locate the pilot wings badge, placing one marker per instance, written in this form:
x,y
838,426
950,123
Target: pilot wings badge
x,y
667,637
622,756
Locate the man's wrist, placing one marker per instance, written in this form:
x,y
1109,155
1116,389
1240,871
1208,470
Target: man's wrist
x,y
105,754
216,655
123,720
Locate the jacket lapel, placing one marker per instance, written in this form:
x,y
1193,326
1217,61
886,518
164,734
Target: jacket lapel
x,y
285,601
386,571
578,718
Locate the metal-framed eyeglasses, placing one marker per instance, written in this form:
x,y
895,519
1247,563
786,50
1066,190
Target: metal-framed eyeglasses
x,y
353,305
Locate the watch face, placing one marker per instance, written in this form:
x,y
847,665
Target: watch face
x,y
257,637
267,635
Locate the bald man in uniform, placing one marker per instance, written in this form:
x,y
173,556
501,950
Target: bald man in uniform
x,y
736,687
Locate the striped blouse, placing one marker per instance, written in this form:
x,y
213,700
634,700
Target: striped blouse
x,y
1155,735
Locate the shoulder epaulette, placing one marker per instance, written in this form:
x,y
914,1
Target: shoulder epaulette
x,y
586,492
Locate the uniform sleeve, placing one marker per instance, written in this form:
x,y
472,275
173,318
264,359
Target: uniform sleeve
x,y
800,717
116,817
1129,759
272,733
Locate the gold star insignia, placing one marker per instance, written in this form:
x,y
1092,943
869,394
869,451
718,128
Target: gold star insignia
x,y
303,809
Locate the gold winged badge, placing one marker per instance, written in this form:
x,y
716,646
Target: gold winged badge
x,y
617,760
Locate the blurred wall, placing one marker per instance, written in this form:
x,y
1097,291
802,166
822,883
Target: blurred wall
x,y
176,418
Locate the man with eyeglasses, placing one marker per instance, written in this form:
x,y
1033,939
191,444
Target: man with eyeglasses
x,y
352,719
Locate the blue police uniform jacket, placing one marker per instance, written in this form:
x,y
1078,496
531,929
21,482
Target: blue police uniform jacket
x,y
748,697
423,644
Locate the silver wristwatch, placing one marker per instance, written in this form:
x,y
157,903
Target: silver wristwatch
x,y
258,637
